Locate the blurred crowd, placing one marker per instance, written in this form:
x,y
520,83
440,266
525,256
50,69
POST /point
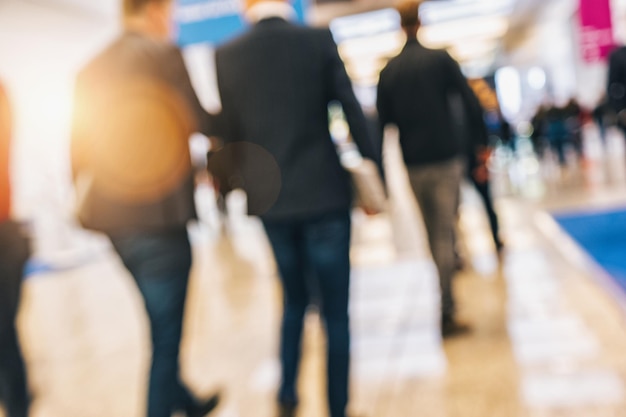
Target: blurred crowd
x,y
558,128
135,108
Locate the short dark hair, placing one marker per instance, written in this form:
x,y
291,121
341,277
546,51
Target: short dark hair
x,y
409,13
132,7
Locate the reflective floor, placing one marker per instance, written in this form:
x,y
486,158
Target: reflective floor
x,y
548,337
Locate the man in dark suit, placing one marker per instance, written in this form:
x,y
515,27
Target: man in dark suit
x,y
418,91
14,251
276,82
616,87
134,111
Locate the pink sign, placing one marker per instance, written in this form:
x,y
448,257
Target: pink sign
x,y
596,34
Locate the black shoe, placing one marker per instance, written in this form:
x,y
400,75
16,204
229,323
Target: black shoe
x,y
452,328
286,410
205,408
500,248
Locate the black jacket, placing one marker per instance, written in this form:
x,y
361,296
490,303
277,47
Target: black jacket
x,y
276,82
424,93
111,147
616,87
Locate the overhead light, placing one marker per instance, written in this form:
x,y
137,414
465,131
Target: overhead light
x,y
444,34
509,90
443,11
365,24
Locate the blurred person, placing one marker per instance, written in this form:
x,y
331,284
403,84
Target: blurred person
x,y
557,132
574,119
135,109
483,130
499,128
414,93
616,85
14,252
478,155
603,116
562,125
537,137
276,83
487,129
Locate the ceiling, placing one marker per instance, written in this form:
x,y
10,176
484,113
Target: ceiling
x,y
473,30
448,15
326,10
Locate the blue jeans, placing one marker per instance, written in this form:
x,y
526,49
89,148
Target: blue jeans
x,y
160,264
323,245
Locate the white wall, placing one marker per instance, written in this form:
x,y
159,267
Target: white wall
x,y
107,8
41,49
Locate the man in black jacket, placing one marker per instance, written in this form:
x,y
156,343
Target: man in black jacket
x,y
276,82
134,111
616,86
417,92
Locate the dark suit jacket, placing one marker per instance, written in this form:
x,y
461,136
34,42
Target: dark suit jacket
x,y
276,82
616,89
424,93
104,93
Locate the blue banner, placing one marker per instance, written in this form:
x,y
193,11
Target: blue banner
x,y
215,21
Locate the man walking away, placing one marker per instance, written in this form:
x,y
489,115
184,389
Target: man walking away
x,y
135,109
414,93
276,82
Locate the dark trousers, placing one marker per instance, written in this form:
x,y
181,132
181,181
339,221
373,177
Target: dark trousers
x,y
160,264
558,145
322,244
14,251
484,190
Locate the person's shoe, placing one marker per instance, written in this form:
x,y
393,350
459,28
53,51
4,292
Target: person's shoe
x,y
204,408
499,246
452,328
286,410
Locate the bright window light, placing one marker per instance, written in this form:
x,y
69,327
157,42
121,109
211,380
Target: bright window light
x,y
444,34
442,11
365,24
509,90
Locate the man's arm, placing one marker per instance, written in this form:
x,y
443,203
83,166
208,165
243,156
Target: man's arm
x,y
383,104
341,90
208,124
472,107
